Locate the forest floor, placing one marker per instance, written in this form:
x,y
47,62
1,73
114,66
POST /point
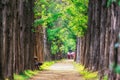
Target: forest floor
x,y
63,70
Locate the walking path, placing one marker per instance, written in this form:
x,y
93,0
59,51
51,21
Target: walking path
x,y
60,71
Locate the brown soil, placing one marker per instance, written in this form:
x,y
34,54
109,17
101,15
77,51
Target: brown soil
x,y
60,71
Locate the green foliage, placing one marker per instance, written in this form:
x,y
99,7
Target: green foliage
x,y
29,73
119,2
87,75
64,21
25,75
109,2
46,12
115,68
105,77
46,65
76,16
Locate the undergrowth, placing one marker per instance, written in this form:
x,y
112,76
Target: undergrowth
x,y
46,65
87,75
25,75
105,77
29,73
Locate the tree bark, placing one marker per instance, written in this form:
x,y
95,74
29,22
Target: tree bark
x,y
98,48
16,37
46,47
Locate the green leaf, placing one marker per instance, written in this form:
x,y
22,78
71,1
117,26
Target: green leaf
x,y
119,2
117,69
109,2
38,22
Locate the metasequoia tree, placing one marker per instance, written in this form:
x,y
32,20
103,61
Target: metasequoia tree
x,y
39,44
17,41
97,48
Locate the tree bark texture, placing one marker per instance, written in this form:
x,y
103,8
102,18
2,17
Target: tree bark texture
x,y
46,46
17,41
97,48
39,44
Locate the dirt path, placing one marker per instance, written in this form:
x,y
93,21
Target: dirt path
x,y
60,71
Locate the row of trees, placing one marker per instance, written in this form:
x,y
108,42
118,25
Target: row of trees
x,y
99,48
18,43
58,26
67,19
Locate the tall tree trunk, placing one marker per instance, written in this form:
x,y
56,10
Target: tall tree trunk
x,y
99,50
1,43
16,38
46,49
78,50
39,44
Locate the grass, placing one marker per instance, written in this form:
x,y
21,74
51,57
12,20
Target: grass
x,y
87,75
25,75
29,73
46,65
105,77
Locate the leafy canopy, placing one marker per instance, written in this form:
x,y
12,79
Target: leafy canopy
x,y
65,20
